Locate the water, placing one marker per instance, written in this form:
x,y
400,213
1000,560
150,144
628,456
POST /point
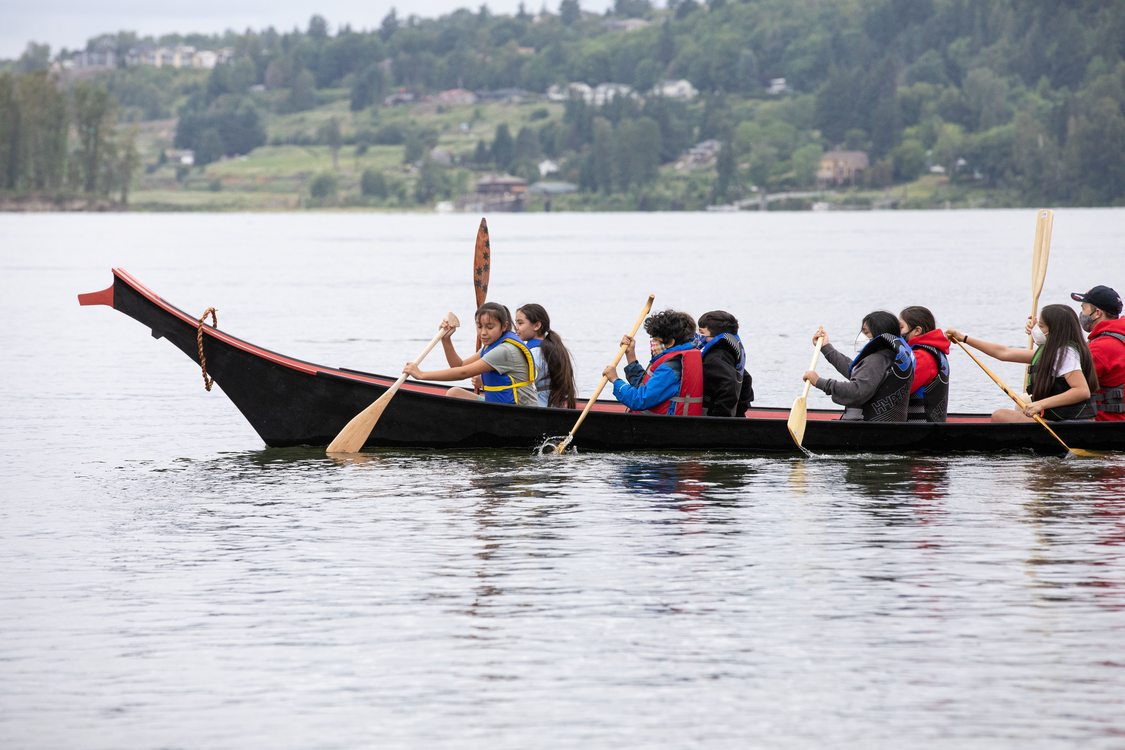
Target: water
x,y
170,583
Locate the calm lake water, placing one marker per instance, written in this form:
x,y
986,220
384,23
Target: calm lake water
x,y
169,583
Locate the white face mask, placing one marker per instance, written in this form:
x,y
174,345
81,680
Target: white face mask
x,y
1038,336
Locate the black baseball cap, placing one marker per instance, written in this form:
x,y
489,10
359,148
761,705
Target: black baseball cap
x,y
1101,297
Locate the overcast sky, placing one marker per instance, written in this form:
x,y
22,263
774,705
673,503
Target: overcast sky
x,y
69,23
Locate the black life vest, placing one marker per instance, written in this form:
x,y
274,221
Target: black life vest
x,y
892,397
1110,400
743,381
931,402
1081,410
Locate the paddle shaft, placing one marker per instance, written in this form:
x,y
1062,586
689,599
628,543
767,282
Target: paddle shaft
x,y
812,365
1040,254
358,429
604,380
1012,395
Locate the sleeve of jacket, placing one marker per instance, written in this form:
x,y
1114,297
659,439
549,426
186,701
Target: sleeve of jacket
x,y
720,383
865,380
634,372
663,385
837,359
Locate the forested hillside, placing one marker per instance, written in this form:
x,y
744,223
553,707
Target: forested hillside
x,y
1018,99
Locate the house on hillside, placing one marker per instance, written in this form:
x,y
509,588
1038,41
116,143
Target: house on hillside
x,y
495,193
455,98
702,154
681,90
840,167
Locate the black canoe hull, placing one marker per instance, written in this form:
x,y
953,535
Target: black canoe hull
x,y
290,402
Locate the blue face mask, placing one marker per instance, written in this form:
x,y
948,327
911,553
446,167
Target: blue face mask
x,y
699,341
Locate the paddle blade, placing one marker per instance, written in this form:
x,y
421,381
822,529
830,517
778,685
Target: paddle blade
x,y
798,418
356,432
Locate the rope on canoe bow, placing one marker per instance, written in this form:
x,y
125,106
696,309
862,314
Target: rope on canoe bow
x,y
208,381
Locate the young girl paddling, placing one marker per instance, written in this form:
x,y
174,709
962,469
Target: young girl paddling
x,y
555,381
878,382
504,363
1061,377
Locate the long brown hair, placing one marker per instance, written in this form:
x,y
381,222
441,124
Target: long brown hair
x,y
556,357
1064,331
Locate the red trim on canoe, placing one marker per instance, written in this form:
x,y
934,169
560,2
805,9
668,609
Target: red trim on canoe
x,y
104,297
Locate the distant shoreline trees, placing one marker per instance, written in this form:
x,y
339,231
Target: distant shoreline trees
x,y
58,143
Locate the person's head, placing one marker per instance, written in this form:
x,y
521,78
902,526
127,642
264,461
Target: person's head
x,y
877,323
532,322
493,321
716,323
1098,304
1059,324
914,321
670,327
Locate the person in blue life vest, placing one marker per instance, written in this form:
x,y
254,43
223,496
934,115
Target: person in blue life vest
x,y
1061,378
672,384
553,364
727,386
878,382
504,363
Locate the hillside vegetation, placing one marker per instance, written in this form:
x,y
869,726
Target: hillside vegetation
x,y
962,102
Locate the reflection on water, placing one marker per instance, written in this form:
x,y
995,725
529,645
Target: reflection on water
x,y
166,587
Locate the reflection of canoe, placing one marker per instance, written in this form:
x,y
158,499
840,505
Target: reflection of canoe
x,y
291,402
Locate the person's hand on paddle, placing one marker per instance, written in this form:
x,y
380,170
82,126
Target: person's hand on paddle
x,y
446,329
1033,409
630,345
413,370
610,373
954,335
811,377
1032,321
820,334
478,384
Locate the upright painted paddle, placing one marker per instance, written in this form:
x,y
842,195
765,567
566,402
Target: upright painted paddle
x,y
561,447
356,432
1019,402
482,264
798,415
1040,254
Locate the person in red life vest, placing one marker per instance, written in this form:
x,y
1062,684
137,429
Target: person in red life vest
x,y
929,396
1061,378
672,384
504,363
727,387
878,382
1101,319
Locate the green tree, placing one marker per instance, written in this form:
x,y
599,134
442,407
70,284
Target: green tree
x,y
94,117
502,148
329,134
323,187
569,12
373,184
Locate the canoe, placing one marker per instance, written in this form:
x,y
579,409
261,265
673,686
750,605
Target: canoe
x,y
291,402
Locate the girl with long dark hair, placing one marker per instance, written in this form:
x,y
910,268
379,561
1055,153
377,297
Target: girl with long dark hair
x,y
929,396
553,364
1061,378
504,363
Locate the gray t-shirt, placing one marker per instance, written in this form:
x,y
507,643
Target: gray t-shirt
x,y
507,359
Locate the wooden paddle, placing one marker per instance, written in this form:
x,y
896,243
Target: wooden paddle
x,y
1020,403
1040,254
356,432
798,415
601,384
482,264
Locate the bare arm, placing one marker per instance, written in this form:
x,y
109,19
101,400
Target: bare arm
x,y
992,349
476,366
1079,392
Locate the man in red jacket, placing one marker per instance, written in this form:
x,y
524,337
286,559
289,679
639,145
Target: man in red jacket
x,y
1101,318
